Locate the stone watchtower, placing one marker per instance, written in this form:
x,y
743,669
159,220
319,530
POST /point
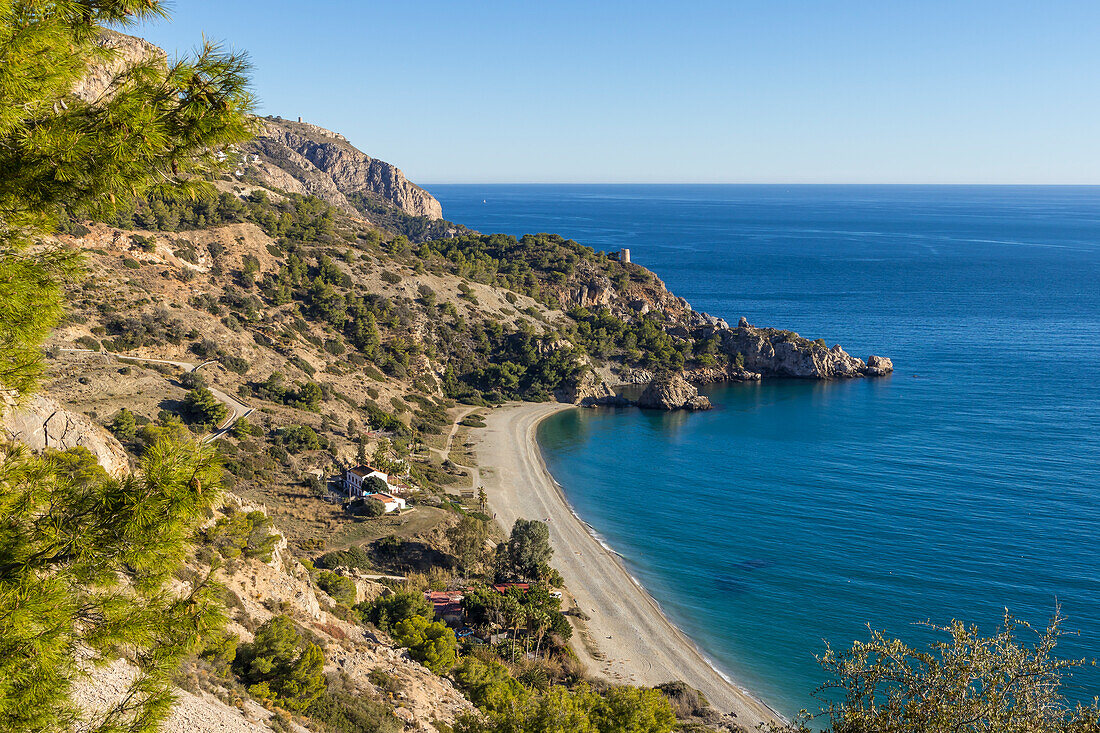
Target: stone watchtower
x,y
624,256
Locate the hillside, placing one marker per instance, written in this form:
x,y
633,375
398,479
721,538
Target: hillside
x,y
316,312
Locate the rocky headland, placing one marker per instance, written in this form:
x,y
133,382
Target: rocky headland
x,y
302,158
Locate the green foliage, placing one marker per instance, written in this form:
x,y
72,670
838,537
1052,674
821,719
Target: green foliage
x,y
244,429
279,665
86,558
526,554
72,539
467,540
298,438
432,643
302,396
968,682
366,507
345,708
241,534
201,407
161,124
123,425
193,380
489,685
353,558
619,710
87,342
386,612
341,589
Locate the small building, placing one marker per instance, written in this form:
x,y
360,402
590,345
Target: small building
x,y
505,587
355,476
447,605
389,501
624,256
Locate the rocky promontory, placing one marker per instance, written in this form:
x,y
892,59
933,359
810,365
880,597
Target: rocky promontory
x,y
774,352
672,393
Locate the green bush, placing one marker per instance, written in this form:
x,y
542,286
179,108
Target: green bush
x,y
386,612
298,438
354,558
87,342
432,643
279,665
341,589
123,425
201,407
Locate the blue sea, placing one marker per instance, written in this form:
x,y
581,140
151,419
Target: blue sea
x,y
798,513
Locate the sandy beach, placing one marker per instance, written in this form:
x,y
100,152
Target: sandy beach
x,y
636,643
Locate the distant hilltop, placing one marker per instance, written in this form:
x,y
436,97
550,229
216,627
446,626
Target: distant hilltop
x,y
295,157
302,158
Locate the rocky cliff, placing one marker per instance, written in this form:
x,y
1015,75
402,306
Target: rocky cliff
x,y
307,159
778,353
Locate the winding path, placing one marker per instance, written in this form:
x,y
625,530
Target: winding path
x,y
237,409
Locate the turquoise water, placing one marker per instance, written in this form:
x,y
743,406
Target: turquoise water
x,y
797,512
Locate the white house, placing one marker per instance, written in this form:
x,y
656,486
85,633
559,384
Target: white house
x,y
389,501
354,478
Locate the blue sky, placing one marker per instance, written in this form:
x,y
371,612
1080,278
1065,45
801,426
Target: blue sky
x,y
753,91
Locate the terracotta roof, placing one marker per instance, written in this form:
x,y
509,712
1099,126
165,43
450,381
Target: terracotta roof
x,y
364,470
503,587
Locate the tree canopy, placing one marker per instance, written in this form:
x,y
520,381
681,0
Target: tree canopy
x,y
86,558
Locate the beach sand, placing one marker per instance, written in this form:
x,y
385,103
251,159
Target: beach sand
x,y
634,642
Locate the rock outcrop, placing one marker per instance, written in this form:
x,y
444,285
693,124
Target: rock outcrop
x,y
124,51
307,159
42,423
588,391
776,353
672,393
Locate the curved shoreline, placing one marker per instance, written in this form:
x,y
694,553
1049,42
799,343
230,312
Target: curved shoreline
x,y
635,641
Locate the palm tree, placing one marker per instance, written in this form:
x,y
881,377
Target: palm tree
x,y
515,615
538,621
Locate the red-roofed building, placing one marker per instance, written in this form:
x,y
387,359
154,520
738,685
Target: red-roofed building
x,y
504,587
447,605
354,478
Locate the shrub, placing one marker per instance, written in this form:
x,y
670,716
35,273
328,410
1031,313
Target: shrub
x,y
366,507
87,342
123,425
354,558
344,708
431,643
201,407
192,380
298,438
386,612
281,666
341,589
390,277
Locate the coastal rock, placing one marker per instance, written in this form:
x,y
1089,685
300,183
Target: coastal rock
x,y
672,393
42,423
730,373
878,366
777,353
588,391
635,376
